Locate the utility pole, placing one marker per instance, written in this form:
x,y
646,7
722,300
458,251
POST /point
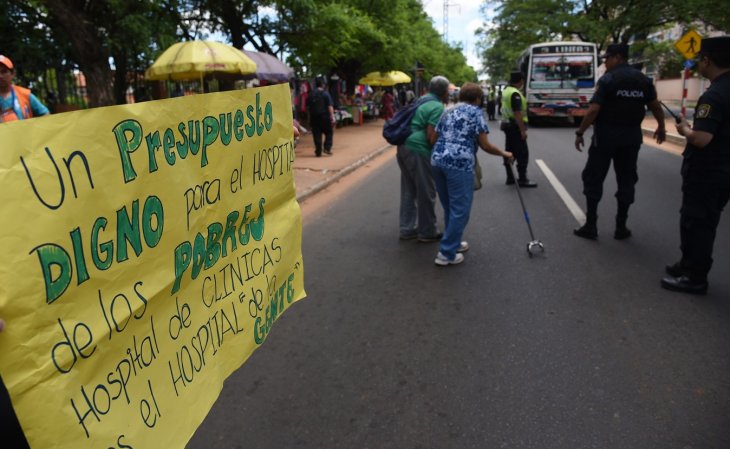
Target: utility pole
x,y
447,5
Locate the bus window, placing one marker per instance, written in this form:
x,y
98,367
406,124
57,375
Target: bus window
x,y
579,71
562,72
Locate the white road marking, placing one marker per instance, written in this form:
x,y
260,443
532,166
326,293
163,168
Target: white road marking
x,y
562,193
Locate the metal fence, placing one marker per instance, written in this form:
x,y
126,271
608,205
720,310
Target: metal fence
x,y
59,90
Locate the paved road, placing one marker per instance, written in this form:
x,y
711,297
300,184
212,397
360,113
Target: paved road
x,y
576,349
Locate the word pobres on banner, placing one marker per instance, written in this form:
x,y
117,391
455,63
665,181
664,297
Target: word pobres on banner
x,y
148,250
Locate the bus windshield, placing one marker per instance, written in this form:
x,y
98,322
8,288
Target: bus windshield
x,y
561,71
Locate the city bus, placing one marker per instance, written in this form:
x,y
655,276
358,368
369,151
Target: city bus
x,y
560,78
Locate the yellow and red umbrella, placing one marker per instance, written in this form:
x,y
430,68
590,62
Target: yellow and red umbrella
x,y
385,78
194,60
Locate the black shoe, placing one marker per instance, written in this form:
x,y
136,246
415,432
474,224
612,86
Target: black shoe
x,y
684,284
318,154
675,270
621,233
526,183
328,152
431,239
509,181
587,232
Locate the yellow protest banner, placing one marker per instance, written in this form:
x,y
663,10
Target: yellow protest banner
x,y
148,250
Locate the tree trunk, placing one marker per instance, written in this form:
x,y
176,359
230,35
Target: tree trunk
x,y
99,85
120,78
349,70
61,77
88,48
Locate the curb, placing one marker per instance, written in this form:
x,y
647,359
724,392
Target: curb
x,y
671,137
345,171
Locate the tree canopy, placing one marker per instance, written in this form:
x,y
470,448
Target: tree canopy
x,y
516,24
112,40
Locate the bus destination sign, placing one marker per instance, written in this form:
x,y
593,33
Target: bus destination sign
x,y
562,49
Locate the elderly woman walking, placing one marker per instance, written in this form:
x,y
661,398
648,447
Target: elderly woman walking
x,y
459,131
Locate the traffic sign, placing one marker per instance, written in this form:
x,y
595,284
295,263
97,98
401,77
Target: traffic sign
x,y
689,44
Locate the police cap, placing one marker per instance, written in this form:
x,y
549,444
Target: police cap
x,y
516,77
617,49
715,45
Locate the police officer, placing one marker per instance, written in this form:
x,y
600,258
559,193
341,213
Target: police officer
x,y
616,110
514,125
705,171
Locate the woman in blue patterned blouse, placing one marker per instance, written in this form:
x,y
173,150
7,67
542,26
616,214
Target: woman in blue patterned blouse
x,y
459,132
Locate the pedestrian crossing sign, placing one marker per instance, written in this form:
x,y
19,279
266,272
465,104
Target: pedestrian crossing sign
x,y
689,44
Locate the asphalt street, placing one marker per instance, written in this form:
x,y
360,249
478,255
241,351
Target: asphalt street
x,y
577,348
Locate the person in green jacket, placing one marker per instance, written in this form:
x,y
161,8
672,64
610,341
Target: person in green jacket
x,y
418,191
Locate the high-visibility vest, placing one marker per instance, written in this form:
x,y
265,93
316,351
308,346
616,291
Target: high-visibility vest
x,y
507,112
20,103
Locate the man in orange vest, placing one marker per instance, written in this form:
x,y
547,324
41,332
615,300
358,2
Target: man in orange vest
x,y
18,103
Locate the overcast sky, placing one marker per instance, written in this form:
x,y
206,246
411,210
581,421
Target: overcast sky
x,y
464,19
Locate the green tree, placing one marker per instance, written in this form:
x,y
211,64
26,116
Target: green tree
x,y
78,20
142,29
659,58
243,21
515,26
35,48
519,24
347,37
352,38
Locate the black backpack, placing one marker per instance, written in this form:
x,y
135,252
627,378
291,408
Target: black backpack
x,y
317,104
397,129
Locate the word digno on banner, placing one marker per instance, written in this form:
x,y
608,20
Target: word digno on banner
x,y
145,230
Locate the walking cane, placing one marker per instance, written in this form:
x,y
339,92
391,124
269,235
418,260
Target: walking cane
x,y
533,244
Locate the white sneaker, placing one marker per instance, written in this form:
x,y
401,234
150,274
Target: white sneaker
x,y
442,261
463,247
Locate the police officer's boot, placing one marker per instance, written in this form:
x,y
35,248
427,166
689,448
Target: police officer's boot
x,y
589,230
622,232
522,181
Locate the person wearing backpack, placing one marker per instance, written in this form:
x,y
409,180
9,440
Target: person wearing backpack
x,y
321,111
418,191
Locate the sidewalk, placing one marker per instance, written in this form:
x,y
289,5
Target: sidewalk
x,y
354,145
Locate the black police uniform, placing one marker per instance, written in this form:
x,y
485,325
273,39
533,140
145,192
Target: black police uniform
x,y
623,94
705,181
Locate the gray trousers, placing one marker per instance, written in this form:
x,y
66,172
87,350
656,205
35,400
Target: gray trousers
x,y
417,194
